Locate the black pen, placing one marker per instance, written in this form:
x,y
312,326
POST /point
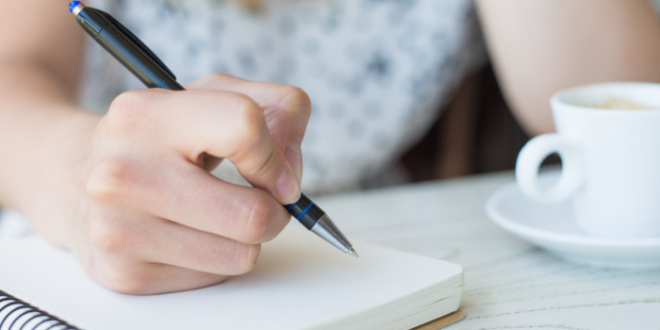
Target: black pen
x,y
147,67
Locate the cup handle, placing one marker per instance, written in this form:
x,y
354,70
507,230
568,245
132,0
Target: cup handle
x,y
532,155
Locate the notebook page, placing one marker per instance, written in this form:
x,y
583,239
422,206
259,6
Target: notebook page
x,y
300,282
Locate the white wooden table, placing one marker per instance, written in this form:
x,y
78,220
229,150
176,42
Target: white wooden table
x,y
509,284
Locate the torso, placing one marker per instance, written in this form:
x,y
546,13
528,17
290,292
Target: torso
x,y
377,71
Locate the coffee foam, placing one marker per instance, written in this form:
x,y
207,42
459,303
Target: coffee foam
x,y
618,103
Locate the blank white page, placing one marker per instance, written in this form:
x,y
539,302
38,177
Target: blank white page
x,y
300,282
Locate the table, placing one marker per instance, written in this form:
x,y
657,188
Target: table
x,y
509,284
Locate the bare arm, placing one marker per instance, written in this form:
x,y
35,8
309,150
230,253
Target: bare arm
x,y
541,46
40,56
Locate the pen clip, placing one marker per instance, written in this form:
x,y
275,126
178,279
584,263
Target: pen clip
x,y
136,41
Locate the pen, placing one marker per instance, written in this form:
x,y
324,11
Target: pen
x,y
146,66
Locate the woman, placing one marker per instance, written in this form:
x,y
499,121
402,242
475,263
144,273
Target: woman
x,y
128,191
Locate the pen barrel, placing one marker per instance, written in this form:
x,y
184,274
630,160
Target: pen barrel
x,y
136,61
307,213
125,50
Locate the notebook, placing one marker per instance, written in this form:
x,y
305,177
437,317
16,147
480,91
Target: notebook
x,y
300,282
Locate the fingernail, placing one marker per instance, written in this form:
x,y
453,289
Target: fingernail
x,y
293,154
288,187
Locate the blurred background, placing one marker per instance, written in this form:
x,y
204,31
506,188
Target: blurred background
x,y
476,134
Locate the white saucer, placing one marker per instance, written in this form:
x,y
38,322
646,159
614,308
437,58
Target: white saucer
x,y
553,227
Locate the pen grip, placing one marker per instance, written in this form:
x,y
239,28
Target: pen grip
x,y
305,211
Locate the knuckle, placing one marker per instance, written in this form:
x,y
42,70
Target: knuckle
x,y
296,99
108,236
125,280
216,80
128,102
256,222
246,259
125,110
217,77
107,180
251,121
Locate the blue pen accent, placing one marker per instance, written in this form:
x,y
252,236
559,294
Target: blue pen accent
x,y
73,5
305,211
290,207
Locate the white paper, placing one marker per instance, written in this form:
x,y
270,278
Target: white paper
x,y
300,282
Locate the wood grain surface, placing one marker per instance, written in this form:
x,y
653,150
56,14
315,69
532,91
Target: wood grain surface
x,y
509,284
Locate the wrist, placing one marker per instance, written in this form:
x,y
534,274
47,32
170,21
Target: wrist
x,y
52,191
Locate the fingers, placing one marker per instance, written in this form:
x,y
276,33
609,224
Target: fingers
x,y
241,213
117,237
149,278
286,109
154,255
189,196
222,124
153,219
184,247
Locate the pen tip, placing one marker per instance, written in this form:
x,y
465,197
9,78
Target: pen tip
x,y
353,253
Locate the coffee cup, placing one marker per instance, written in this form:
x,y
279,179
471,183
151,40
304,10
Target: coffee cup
x,y
608,139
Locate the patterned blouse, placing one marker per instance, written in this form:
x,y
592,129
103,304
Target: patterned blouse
x,y
377,71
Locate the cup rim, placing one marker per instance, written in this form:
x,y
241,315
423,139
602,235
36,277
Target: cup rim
x,y
557,99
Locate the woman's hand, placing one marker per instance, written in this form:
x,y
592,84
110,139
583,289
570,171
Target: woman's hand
x,y
134,198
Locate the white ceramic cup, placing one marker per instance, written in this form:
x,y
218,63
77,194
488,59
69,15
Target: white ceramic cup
x,y
610,159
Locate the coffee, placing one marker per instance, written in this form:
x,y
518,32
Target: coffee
x,y
617,103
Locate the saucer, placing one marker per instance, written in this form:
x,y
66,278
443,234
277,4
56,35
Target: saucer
x,y
553,228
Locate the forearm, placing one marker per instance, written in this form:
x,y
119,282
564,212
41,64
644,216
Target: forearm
x,y
37,118
541,46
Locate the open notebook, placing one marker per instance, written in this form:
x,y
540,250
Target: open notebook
x,y
300,282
